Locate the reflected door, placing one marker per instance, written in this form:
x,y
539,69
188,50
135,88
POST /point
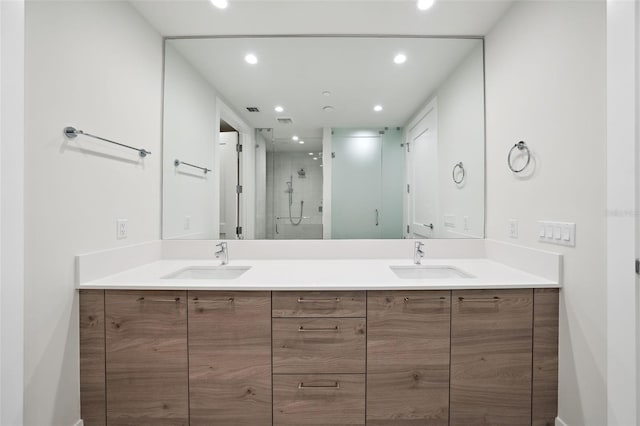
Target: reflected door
x,y
423,176
229,172
356,183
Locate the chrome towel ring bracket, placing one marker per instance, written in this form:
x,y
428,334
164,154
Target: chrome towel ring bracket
x,y
462,173
521,147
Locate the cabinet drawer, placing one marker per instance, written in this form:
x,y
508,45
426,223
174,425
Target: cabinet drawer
x,y
319,304
325,400
319,345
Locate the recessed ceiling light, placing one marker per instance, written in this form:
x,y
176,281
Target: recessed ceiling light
x,y
311,153
315,158
295,138
326,93
425,4
279,109
220,4
301,142
400,58
251,59
327,108
377,108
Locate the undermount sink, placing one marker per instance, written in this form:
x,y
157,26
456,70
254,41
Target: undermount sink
x,y
416,272
209,272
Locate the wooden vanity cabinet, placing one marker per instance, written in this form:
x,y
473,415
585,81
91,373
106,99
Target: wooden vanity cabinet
x,y
491,357
146,358
230,358
408,358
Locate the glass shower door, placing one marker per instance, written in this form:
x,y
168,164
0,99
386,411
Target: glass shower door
x,y
356,183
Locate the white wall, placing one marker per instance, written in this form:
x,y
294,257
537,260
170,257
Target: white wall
x,y
545,84
98,66
190,133
11,212
461,139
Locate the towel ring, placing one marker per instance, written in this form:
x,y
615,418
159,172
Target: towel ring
x,y
453,173
520,146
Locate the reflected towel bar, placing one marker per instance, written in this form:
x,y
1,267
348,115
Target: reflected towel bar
x,y
72,132
204,169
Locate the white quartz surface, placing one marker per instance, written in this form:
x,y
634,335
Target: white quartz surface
x,y
325,274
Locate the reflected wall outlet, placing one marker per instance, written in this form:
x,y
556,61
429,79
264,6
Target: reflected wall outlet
x,y
122,229
513,228
465,223
187,223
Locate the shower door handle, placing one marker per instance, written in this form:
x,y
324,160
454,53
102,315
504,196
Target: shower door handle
x,y
377,217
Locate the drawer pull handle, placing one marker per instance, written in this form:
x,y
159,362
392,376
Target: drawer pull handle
x,y
229,300
329,300
142,299
302,329
335,385
417,299
479,299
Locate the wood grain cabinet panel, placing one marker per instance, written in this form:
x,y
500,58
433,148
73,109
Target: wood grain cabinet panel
x,y
92,370
408,358
491,362
319,304
146,358
545,357
319,400
230,358
319,345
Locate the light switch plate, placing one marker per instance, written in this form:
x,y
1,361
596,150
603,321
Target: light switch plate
x,y
449,221
559,233
122,229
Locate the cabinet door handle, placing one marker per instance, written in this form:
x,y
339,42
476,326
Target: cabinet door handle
x,y
142,299
229,300
335,385
330,300
424,299
479,299
302,329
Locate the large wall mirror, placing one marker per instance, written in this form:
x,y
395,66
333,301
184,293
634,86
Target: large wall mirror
x,y
323,138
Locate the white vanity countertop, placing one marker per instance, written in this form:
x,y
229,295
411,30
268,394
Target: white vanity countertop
x,y
325,274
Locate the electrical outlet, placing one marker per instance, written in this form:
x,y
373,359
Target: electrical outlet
x,y
187,223
513,228
465,223
122,229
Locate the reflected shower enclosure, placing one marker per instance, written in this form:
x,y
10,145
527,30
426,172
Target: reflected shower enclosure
x,y
294,192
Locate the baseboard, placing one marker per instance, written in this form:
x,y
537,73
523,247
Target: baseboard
x,y
559,422
79,423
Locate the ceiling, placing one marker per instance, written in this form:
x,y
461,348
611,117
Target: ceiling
x,y
199,17
295,73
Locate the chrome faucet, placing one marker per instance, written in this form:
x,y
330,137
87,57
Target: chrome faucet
x,y
418,253
223,253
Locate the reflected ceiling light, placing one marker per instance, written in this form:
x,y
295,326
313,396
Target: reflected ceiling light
x,y
377,108
311,153
220,4
425,4
301,142
251,59
327,108
315,158
279,109
295,138
326,93
400,58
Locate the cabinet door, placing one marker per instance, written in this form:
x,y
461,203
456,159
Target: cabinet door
x,y
491,357
146,358
408,358
230,358
319,400
92,375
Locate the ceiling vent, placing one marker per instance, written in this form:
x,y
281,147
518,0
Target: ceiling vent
x,y
284,120
253,109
